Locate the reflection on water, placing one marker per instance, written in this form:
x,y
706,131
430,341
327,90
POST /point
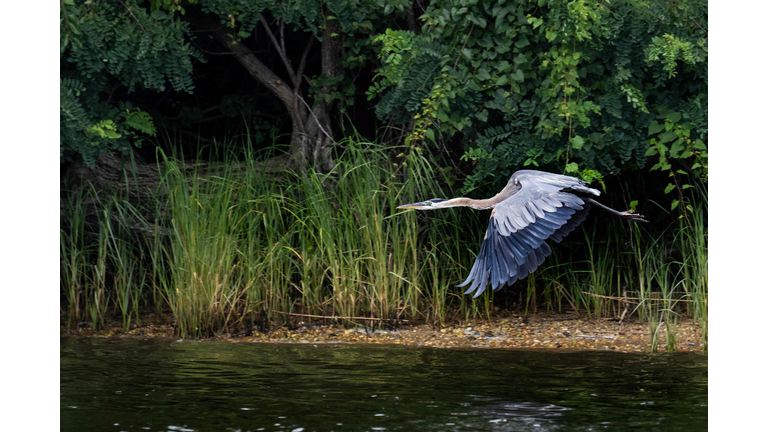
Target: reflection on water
x,y
195,386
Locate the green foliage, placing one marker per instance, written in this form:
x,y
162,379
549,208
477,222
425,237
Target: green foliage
x,y
561,86
669,49
306,15
105,129
140,121
83,134
674,141
107,45
69,28
134,47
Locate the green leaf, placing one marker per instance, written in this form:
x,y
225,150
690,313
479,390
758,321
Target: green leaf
x,y
655,128
667,136
518,76
674,117
141,121
429,133
572,167
669,188
674,204
477,20
482,74
74,28
551,35
699,145
677,147
577,142
105,129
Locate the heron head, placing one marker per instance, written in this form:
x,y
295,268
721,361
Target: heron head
x,y
431,204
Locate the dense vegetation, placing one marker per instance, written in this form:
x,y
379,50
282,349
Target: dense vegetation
x,y
320,117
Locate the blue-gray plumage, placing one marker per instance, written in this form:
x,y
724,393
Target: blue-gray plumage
x,y
533,207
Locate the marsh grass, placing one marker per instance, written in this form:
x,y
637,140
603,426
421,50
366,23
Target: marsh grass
x,y
695,258
128,275
672,279
229,247
74,254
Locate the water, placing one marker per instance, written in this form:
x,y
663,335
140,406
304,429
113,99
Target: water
x,y
161,385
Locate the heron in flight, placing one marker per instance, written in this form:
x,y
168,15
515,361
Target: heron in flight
x,y
534,206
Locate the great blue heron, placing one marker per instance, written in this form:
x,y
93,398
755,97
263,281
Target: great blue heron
x,y
534,206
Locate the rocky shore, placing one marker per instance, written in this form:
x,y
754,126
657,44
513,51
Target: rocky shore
x,y
536,331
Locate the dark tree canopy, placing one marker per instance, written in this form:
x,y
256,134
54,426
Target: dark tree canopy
x,y
588,88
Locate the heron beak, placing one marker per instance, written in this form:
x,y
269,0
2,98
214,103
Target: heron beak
x,y
418,205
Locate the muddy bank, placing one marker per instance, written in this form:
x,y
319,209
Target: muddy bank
x,y
538,331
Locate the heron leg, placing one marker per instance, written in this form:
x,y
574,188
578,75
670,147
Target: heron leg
x,y
629,215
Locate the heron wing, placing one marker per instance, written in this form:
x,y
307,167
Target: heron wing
x,y
515,242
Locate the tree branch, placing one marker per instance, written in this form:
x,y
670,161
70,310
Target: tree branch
x,y
204,51
282,36
280,51
134,16
705,30
297,85
252,64
303,61
317,120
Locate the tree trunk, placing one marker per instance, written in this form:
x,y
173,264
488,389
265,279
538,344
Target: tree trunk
x,y
311,133
319,125
410,19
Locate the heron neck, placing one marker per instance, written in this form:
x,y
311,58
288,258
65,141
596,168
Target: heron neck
x,y
467,202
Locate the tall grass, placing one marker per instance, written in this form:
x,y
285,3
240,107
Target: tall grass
x,y
226,246
672,279
234,246
694,260
75,254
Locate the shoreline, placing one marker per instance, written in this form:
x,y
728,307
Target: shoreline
x,y
566,332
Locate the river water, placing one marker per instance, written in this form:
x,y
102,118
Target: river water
x,y
166,385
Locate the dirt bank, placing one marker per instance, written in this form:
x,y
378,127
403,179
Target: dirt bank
x,y
538,331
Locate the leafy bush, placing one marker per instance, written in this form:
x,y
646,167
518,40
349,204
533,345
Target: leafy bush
x,y
572,86
105,45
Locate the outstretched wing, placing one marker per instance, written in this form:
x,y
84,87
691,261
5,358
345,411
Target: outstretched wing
x,y
515,242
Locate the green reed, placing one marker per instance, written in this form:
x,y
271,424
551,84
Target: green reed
x,y
74,254
125,260
202,285
226,245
